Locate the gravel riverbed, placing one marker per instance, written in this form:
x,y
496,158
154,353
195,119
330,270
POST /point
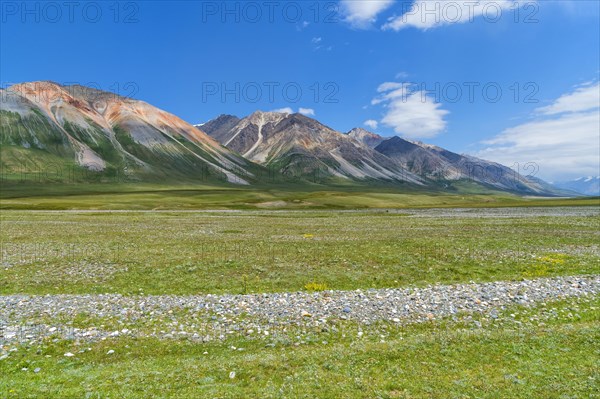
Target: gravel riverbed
x,y
27,319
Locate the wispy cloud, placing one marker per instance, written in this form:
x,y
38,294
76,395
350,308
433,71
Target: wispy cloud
x,y
371,123
286,110
289,110
410,112
402,75
427,14
318,44
307,111
584,98
562,138
361,14
302,25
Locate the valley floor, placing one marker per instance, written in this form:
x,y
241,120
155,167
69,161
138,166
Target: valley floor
x,y
545,349
239,252
405,303
146,196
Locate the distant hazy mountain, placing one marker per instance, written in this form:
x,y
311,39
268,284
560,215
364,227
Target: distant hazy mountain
x,y
53,125
589,185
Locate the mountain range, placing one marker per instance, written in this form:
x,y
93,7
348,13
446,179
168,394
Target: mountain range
x,y
44,122
48,125
589,185
294,142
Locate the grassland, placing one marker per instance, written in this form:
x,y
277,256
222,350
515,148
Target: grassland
x,y
35,191
547,351
443,359
264,251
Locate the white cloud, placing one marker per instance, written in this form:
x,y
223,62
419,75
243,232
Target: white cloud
x,y
318,44
289,110
371,123
307,111
386,86
286,110
411,113
426,14
362,14
583,99
302,25
563,138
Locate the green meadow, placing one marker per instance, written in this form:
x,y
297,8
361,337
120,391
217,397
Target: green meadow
x,y
144,239
179,252
557,358
29,193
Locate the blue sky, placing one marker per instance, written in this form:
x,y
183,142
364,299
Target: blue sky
x,y
428,72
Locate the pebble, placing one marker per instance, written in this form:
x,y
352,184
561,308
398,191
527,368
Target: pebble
x,y
208,317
